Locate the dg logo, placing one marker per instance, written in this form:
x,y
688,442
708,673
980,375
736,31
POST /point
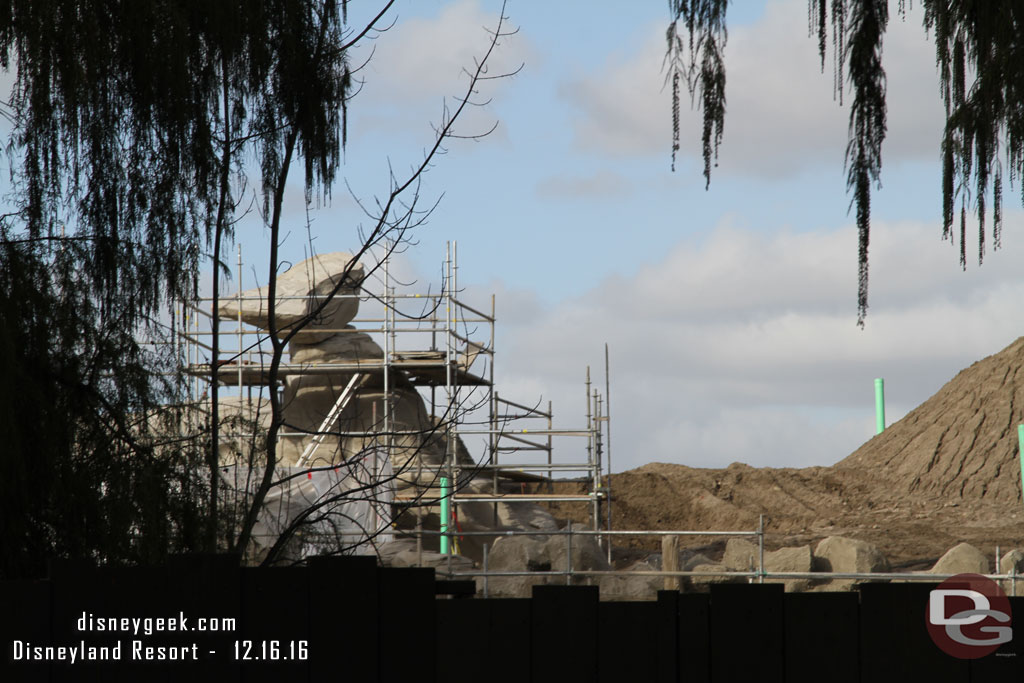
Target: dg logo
x,y
968,616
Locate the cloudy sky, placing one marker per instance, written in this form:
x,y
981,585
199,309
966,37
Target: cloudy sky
x,y
730,313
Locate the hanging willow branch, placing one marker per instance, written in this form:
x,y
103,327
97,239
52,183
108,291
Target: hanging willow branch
x,y
980,57
698,61
117,112
862,49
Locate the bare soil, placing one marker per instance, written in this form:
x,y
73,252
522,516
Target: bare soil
x,y
949,472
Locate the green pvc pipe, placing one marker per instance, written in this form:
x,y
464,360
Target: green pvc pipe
x,y
879,405
446,514
1020,441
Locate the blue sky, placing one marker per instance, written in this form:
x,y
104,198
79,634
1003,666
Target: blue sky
x,y
730,312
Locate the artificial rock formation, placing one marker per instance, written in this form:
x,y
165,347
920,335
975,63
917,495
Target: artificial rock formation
x,y
301,298
381,433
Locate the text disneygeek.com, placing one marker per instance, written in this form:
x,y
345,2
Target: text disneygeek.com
x,y
139,648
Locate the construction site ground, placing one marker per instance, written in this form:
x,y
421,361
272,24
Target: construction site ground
x,y
946,473
801,506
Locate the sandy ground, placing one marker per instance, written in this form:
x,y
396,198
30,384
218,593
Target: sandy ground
x,y
801,506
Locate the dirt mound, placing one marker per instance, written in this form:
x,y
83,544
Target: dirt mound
x,y
962,442
946,473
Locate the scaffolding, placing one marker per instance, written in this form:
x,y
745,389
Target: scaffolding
x,y
445,353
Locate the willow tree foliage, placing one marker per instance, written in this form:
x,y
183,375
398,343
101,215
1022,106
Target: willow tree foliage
x,y
980,58
129,123
121,110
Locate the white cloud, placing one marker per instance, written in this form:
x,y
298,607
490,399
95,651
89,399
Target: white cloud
x,y
604,184
781,117
421,60
744,348
424,56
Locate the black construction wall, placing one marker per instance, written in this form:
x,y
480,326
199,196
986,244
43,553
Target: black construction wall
x,y
345,619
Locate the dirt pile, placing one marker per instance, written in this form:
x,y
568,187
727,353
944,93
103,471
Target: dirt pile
x,y
960,444
946,473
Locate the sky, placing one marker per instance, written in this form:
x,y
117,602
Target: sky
x,y
729,312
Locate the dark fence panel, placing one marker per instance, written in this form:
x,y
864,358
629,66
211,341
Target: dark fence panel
x,y
895,645
25,617
340,588
821,637
406,648
510,622
746,633
694,655
627,645
564,634
347,619
1007,663
274,625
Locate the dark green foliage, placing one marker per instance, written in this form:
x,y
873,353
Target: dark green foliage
x,y
130,120
980,56
698,61
863,54
80,474
118,105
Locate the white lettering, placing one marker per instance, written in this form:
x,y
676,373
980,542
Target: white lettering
x,y
937,611
152,653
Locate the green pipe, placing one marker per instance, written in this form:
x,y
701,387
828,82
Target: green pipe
x,y
1020,441
446,514
879,405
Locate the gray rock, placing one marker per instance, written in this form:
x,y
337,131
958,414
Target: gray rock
x,y
518,554
962,559
790,560
631,587
740,555
509,586
688,559
717,576
848,555
386,552
411,558
587,554
1013,562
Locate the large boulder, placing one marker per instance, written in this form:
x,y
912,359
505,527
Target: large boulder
x,y
587,554
848,556
626,587
300,291
740,555
716,573
518,554
1013,563
798,559
510,586
962,559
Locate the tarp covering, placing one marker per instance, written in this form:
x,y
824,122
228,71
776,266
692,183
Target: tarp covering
x,y
342,509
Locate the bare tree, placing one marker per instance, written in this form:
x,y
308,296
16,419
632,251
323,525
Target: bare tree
x,y
391,219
